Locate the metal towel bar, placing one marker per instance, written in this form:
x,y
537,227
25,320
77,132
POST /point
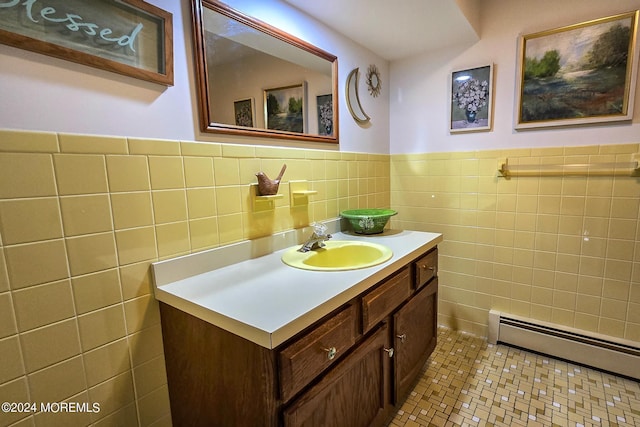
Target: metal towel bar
x,y
632,168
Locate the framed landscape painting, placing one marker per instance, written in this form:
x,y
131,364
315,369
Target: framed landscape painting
x,y
471,99
284,108
580,74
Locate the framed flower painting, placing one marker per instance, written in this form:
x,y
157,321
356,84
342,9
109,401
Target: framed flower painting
x,y
471,99
243,111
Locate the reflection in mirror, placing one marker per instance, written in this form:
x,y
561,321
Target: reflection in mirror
x,y
256,80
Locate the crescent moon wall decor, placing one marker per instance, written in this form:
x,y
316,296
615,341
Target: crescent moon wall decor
x,y
353,100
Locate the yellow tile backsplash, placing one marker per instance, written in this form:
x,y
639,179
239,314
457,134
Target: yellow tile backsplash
x,y
128,173
82,217
198,172
136,245
166,172
57,382
201,202
41,305
80,174
101,327
26,175
12,366
91,253
50,344
86,214
96,290
131,209
169,206
107,361
7,316
173,239
36,263
30,220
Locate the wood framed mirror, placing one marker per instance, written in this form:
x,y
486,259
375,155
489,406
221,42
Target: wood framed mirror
x,y
256,80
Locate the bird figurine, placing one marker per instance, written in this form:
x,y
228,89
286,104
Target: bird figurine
x,y
269,187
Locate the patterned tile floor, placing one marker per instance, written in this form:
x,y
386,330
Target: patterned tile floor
x,y
469,382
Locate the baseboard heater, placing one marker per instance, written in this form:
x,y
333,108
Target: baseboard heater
x,y
621,357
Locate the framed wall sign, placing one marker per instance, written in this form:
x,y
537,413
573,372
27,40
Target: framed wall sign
x,y
129,37
580,74
471,99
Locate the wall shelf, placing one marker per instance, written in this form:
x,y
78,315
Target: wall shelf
x,y
299,193
263,203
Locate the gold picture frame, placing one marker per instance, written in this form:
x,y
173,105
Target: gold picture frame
x,y
580,74
471,97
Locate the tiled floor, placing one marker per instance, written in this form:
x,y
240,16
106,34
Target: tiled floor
x,y
471,383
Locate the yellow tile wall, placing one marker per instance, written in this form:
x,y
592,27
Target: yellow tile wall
x,y
562,249
82,217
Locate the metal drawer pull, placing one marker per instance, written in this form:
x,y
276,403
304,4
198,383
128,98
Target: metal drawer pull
x,y
331,352
402,337
390,351
432,268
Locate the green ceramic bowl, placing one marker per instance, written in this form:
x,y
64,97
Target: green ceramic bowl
x,y
368,221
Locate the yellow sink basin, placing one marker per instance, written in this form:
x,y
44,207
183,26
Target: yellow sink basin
x,y
338,255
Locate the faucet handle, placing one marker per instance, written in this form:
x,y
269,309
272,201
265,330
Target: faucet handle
x,y
319,228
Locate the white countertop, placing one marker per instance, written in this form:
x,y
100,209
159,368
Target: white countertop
x,y
262,299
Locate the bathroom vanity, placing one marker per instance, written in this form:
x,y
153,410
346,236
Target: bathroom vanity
x,y
345,354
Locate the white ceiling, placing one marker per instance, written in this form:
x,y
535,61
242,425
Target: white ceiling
x,y
397,29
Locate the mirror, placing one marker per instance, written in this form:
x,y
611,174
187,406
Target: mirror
x,y
256,80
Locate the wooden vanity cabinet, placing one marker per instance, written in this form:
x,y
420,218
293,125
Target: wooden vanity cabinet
x,y
348,369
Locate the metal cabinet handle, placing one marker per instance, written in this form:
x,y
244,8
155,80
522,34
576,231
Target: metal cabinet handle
x,y
331,352
430,267
402,337
389,351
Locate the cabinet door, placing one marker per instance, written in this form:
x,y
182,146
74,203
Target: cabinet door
x,y
354,393
414,334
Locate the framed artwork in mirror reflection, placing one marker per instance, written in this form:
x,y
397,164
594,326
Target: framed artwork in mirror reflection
x,y
285,108
325,114
243,111
471,99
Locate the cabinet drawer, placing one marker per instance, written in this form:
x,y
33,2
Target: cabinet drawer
x,y
355,392
426,268
302,360
381,301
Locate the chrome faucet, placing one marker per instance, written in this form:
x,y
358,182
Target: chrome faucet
x,y
317,239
